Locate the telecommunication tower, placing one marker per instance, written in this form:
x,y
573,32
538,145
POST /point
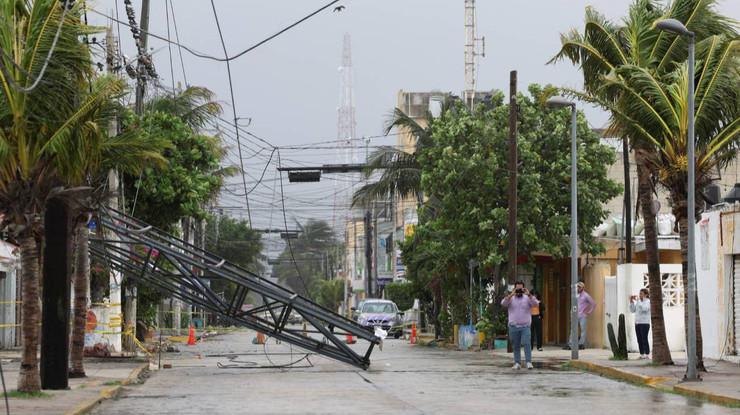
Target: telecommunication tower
x,y
346,129
472,44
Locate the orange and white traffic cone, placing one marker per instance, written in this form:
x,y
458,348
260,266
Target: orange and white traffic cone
x,y
413,333
350,339
191,336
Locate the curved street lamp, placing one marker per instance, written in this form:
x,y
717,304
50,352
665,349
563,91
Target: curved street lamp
x,y
674,26
561,102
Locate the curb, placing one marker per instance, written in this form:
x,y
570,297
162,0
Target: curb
x,y
707,396
109,393
618,374
658,383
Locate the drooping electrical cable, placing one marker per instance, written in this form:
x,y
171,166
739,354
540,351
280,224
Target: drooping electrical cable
x,y
179,48
238,55
285,222
169,45
233,108
65,8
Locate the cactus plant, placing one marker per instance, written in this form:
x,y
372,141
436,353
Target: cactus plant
x,y
618,342
622,338
612,339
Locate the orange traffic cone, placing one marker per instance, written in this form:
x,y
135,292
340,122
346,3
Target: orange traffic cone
x,y
260,338
191,336
413,333
350,339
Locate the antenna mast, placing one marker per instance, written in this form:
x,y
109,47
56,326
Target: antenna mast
x,y
471,52
346,124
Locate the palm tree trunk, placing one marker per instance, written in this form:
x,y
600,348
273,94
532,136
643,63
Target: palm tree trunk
x,y
679,211
661,352
29,379
81,283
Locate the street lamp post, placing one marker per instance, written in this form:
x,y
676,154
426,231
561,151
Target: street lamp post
x,y
562,102
673,25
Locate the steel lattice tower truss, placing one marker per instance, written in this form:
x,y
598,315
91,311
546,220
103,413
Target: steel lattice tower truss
x,y
152,257
346,131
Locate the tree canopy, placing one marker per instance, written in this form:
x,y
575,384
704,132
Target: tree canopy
x,y
194,174
315,253
465,177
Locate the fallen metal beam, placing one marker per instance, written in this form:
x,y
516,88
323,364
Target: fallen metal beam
x,y
148,256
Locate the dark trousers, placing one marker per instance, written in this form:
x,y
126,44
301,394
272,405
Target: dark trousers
x,y
642,331
537,331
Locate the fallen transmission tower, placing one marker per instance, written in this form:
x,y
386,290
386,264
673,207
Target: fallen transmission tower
x,y
152,257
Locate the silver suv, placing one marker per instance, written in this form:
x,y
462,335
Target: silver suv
x,y
382,314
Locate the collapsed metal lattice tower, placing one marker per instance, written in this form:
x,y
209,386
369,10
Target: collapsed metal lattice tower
x,y
171,265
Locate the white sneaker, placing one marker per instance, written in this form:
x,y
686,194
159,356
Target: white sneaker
x,y
516,366
529,366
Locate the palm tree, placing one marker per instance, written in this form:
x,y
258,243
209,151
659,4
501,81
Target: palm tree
x,y
129,152
654,108
602,49
401,177
43,105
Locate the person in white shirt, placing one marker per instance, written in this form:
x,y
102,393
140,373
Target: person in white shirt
x,y
641,308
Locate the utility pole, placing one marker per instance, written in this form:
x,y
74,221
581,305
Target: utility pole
x,y
627,201
369,252
114,311
141,69
141,73
513,180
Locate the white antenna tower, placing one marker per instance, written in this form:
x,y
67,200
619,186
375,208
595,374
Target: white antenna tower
x,y
346,123
471,52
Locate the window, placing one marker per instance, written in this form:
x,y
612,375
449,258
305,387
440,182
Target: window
x,y
672,289
381,308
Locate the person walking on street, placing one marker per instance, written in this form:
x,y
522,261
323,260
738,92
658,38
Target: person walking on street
x,y
519,303
538,313
641,308
586,306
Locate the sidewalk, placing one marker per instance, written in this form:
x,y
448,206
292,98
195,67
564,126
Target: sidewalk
x,y
105,377
720,385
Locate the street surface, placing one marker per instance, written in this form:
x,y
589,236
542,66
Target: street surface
x,y
403,379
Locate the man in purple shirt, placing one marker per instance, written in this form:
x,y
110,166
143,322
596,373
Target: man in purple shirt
x,y
586,306
519,302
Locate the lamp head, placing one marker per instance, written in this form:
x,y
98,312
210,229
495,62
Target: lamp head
x,y
673,25
558,101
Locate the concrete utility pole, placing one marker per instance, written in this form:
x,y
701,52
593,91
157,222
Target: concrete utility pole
x,y
143,45
131,292
369,252
114,284
513,180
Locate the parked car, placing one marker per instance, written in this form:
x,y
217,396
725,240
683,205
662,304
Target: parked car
x,y
382,314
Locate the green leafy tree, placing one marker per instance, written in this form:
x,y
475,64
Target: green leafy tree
x,y
329,293
194,172
235,241
600,50
466,213
309,257
401,293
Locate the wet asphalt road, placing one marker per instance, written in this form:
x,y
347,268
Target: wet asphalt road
x,y
403,379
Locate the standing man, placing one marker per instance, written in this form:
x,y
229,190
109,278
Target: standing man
x,y
586,306
519,303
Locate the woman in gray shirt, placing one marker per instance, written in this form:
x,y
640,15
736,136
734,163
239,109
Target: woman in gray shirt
x,y
641,308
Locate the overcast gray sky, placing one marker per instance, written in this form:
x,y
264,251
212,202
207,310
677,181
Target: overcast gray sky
x,y
290,86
